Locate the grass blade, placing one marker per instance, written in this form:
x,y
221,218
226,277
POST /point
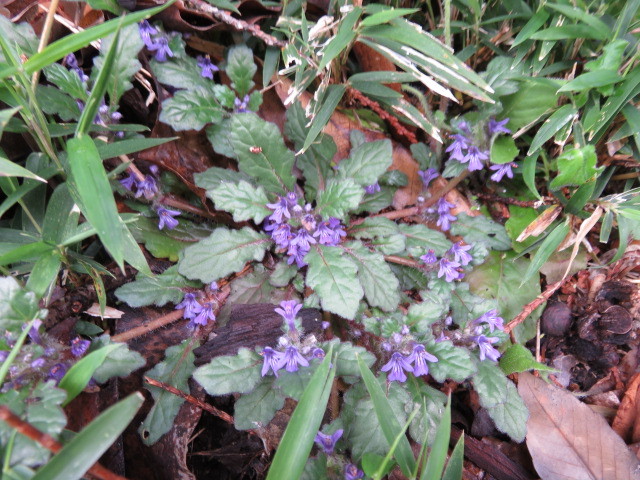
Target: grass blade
x,y
388,421
438,454
331,99
546,250
454,467
297,441
87,447
384,465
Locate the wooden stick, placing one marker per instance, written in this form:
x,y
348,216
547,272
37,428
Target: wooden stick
x,y
191,399
48,442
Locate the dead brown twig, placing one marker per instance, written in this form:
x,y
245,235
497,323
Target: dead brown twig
x,y
48,442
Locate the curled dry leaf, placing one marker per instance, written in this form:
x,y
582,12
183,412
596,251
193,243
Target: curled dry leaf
x,y
626,417
568,441
109,312
541,222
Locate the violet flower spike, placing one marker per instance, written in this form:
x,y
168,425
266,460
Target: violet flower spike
x,y
492,319
318,353
419,357
207,69
34,333
397,365
280,210
146,30
303,240
206,314
371,189
496,127
161,49
429,257
330,233
129,182
448,269
57,372
297,254
476,158
502,170
166,219
459,144
190,305
272,361
79,346
351,472
486,349
288,310
292,359
328,442
241,106
459,252
147,188
444,214
282,235
428,175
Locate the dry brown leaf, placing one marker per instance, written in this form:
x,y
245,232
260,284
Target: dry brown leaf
x,y
541,222
568,441
626,415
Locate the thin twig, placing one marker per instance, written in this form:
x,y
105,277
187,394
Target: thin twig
x,y
407,262
48,442
44,36
191,399
492,197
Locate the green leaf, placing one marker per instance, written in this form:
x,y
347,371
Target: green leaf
x,y
92,191
367,162
532,26
432,308
346,34
388,422
621,96
120,361
346,358
157,290
191,110
174,370
552,125
546,249
424,426
224,252
78,376
453,362
498,278
582,15
378,281
420,238
77,456
575,167
241,69
339,197
283,274
297,440
213,177
330,100
125,64
257,408
242,199
130,145
168,243
52,101
389,13
44,273
181,72
518,358
272,165
10,169
332,276
503,150
569,32
230,373
456,460
589,80
17,305
611,57
483,230
501,400
61,218
438,453
293,386
531,101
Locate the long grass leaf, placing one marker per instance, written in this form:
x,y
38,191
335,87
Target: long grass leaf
x,y
546,249
384,465
454,467
438,455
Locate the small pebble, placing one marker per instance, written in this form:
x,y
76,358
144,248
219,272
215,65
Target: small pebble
x,y
556,318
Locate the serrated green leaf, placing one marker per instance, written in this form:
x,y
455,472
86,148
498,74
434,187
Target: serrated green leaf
x,y
272,165
167,243
481,229
55,102
17,305
346,358
332,276
432,308
230,373
241,69
157,290
242,199
257,408
181,72
293,385
120,362
423,428
174,370
503,150
224,252
575,167
339,197
453,362
377,201
367,162
529,103
315,164
378,281
421,238
191,110
501,400
213,177
518,358
282,274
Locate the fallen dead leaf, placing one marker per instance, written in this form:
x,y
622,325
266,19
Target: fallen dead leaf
x,y
626,415
568,441
109,312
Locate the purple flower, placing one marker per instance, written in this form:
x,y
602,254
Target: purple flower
x,y
3,355
280,210
303,240
448,269
79,346
428,175
289,309
281,234
57,372
317,353
161,48
328,442
166,218
203,317
460,254
190,305
486,349
371,189
419,357
492,319
444,214
441,338
502,170
459,144
146,30
213,286
475,157
207,68
429,257
397,365
464,126
331,232
292,359
351,472
72,63
34,334
147,187
495,126
240,106
272,360
297,254
38,363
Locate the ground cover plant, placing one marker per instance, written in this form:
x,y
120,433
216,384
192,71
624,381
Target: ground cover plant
x,y
319,240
